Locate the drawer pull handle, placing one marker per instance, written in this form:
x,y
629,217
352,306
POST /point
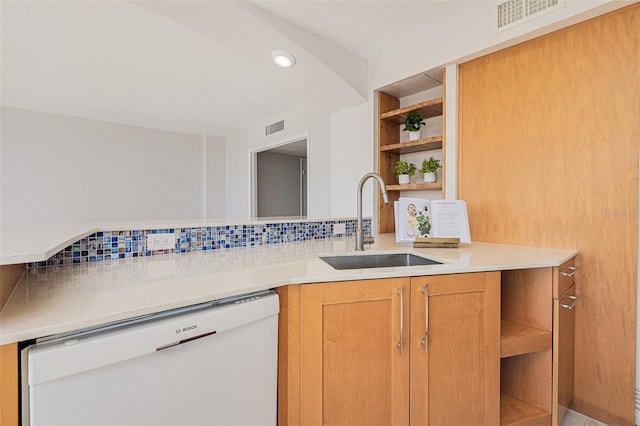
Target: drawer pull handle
x,y
425,340
400,343
573,305
573,270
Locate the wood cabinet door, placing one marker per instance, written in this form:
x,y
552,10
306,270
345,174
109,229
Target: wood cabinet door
x,y
455,376
9,386
354,359
564,322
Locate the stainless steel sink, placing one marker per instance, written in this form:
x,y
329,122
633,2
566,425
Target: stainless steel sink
x,y
377,261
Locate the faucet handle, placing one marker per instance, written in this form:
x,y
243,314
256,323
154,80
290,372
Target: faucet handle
x,y
368,239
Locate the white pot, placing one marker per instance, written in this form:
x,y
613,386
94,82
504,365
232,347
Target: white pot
x,y
414,136
429,177
404,179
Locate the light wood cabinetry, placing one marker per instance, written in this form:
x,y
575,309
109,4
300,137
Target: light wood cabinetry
x,y
455,372
9,384
564,323
354,361
358,342
390,124
9,277
536,370
568,100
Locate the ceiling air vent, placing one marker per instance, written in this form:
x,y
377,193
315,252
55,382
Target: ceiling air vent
x,y
273,128
513,12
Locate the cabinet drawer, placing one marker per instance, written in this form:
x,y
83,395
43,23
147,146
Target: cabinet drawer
x,y
564,276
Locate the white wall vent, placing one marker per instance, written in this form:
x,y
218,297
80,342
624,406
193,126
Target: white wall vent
x,y
273,128
514,12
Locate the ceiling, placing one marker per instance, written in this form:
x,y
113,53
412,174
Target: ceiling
x,y
197,67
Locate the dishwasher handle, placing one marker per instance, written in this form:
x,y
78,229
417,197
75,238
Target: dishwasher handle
x,y
189,339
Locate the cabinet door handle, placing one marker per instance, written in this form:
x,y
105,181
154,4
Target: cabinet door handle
x,y
400,343
573,305
425,339
573,270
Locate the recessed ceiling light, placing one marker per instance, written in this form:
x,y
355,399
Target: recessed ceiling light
x,y
283,59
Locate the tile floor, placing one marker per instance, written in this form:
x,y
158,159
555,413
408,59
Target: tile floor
x,y
576,419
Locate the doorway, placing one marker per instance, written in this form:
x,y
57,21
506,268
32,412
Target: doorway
x,y
279,179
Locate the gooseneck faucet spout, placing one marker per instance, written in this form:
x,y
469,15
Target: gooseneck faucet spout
x,y
360,238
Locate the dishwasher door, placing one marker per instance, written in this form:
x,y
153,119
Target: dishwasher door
x,y
215,366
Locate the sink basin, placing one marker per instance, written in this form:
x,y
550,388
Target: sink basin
x,y
377,261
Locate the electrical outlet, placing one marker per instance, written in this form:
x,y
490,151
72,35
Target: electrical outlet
x,y
161,241
339,228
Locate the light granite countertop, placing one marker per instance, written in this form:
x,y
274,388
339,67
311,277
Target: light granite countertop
x,y
59,299
35,243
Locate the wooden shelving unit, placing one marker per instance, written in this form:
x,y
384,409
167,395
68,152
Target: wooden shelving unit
x,y
390,123
518,339
516,412
415,187
427,109
426,144
526,342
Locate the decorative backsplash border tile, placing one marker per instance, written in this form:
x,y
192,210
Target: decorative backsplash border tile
x,y
112,245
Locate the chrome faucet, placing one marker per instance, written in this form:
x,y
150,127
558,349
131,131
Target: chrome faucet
x,y
361,240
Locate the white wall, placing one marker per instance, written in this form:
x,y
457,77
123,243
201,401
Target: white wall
x,y
311,118
352,155
215,170
58,168
63,169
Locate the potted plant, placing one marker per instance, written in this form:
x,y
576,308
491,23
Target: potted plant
x,y
412,125
404,170
428,168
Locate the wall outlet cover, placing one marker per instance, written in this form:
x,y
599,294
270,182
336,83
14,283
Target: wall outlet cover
x,y
339,228
164,241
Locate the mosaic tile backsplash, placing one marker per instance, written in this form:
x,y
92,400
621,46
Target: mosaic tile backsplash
x,y
112,245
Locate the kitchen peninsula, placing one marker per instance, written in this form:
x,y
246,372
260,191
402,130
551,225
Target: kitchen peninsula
x,y
61,298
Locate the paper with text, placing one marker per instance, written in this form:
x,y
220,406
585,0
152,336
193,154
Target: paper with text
x,y
449,219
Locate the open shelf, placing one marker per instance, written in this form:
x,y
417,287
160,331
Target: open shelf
x,y
390,121
415,187
518,339
427,109
426,144
516,412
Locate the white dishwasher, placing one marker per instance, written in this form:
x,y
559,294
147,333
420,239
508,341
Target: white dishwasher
x,y
209,364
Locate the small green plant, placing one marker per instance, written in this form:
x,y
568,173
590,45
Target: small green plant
x,y
424,225
429,166
413,122
403,167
